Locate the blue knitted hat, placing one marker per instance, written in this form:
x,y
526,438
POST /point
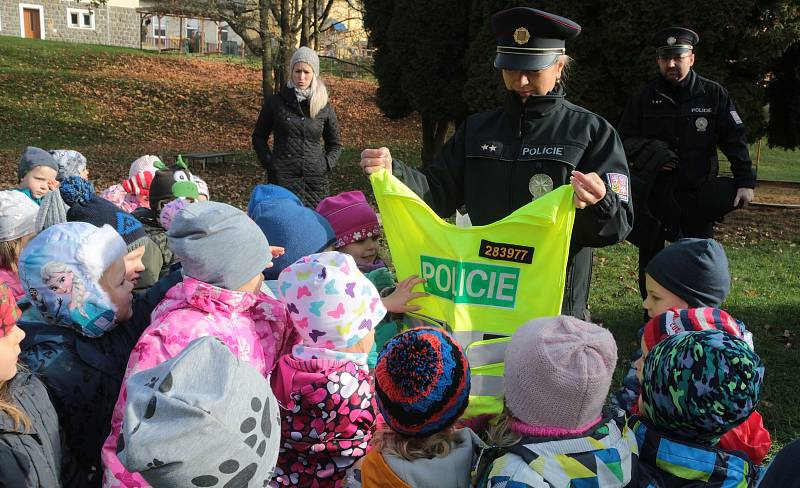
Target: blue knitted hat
x,y
422,382
288,224
85,206
266,193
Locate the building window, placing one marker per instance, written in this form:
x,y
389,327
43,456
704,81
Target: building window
x,y
80,19
192,26
223,33
160,28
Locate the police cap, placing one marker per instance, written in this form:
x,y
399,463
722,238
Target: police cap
x,y
675,40
530,39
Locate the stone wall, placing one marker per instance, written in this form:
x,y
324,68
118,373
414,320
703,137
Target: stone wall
x,y
115,26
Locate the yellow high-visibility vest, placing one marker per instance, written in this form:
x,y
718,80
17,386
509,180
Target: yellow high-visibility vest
x,y
484,281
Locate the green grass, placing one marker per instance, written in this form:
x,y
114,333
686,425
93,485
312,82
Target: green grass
x,y
777,164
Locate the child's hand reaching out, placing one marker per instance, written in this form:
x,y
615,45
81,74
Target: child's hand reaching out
x,y
397,301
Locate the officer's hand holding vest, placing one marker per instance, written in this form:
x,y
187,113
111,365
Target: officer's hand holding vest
x,y
589,189
373,160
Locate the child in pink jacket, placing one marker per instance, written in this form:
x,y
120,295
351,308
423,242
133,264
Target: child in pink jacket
x,y
324,387
223,253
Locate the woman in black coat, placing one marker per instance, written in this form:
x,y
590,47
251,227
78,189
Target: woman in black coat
x,y
298,117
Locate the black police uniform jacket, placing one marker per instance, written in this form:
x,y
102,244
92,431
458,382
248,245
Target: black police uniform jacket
x,y
693,119
495,160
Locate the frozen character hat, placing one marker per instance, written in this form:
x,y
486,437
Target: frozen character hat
x,y
70,163
85,206
9,312
171,183
169,212
351,217
697,386
557,375
218,244
674,321
202,418
17,215
696,270
60,269
332,304
32,157
301,231
422,382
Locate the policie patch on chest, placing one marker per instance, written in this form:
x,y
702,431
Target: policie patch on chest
x,y
506,252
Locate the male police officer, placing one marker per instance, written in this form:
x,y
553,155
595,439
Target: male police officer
x,y
500,160
693,116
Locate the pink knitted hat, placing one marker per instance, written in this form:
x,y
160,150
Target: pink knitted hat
x,y
350,216
557,374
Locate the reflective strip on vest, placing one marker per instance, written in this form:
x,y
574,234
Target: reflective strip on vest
x,y
483,282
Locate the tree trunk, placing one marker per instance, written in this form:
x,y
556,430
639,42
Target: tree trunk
x,y
305,26
267,81
315,24
434,132
287,41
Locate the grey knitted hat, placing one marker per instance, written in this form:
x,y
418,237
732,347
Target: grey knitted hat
x,y
305,55
202,418
33,157
218,244
52,211
70,163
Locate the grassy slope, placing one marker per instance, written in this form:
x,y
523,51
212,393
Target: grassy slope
x,y
53,92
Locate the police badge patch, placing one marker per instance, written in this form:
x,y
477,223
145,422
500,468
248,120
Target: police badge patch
x,y
701,123
619,185
540,184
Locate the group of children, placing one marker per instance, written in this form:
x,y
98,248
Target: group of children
x,y
267,348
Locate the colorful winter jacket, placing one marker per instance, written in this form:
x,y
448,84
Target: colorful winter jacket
x,y
327,419
252,325
670,463
604,458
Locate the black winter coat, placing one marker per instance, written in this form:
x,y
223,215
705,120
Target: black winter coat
x,y
297,160
498,160
693,119
84,374
38,457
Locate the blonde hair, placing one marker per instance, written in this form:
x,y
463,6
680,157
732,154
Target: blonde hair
x,y
7,407
437,445
79,294
499,432
319,93
9,253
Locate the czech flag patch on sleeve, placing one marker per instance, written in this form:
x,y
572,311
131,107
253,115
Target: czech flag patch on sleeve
x,y
619,185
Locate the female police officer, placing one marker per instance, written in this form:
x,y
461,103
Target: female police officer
x,y
498,161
